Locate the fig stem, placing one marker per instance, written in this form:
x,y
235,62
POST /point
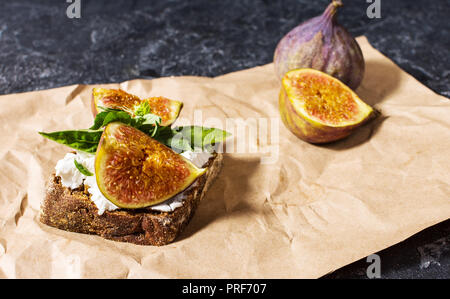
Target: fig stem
x,y
331,9
337,3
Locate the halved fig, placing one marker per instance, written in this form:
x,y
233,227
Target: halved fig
x,y
319,108
135,171
165,108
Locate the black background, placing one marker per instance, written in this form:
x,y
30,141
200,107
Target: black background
x,y
114,41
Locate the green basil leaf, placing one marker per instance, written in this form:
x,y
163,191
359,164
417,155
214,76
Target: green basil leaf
x,y
114,116
162,134
151,119
106,117
201,136
143,119
144,122
82,169
98,121
178,143
142,109
191,137
105,109
82,140
155,130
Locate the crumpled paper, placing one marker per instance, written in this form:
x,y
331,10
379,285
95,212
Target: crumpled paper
x,y
280,208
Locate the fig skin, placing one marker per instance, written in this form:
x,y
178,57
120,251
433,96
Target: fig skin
x,y
135,171
322,44
308,128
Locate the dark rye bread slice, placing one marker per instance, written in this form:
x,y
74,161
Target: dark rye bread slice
x,y
72,210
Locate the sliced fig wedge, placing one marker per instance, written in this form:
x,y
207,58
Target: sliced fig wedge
x,y
114,99
165,108
135,171
319,108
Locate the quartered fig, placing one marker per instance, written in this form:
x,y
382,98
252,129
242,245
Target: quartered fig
x,y
322,44
165,108
319,108
135,171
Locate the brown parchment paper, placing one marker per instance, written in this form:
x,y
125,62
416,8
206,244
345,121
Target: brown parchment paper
x,y
316,209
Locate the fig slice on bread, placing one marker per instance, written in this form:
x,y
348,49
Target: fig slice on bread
x,y
134,170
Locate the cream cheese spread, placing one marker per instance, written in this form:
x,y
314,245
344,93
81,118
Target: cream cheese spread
x,y
72,178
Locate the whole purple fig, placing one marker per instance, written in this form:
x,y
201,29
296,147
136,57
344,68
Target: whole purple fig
x,y
322,44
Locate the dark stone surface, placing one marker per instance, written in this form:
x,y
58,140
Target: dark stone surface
x,y
424,255
114,41
40,47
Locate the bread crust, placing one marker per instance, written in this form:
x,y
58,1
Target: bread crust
x,y
72,210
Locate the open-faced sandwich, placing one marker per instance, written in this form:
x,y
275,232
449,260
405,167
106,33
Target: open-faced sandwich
x,y
131,177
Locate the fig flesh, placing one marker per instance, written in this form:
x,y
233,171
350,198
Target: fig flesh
x,y
135,171
319,108
322,44
165,108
